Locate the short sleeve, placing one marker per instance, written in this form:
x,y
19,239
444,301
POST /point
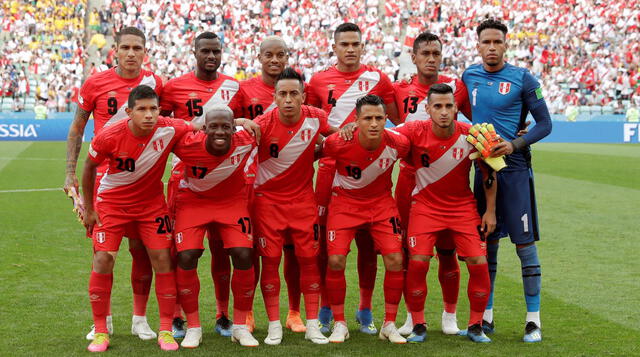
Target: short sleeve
x,y
86,100
312,97
159,86
386,89
165,99
324,123
236,104
462,99
99,149
329,146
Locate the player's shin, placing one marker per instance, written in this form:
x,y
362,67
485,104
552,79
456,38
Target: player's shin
x,y
416,289
532,280
242,285
221,275
393,284
100,297
492,261
292,278
336,286
449,277
478,291
367,268
166,295
310,285
188,292
141,276
270,286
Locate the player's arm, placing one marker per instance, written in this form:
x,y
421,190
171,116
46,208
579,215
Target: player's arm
x,y
74,144
534,101
462,99
250,126
389,98
88,183
392,113
490,183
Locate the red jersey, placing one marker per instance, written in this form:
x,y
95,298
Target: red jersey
x,y
210,176
106,95
442,169
135,164
190,98
337,92
361,175
286,153
256,97
412,98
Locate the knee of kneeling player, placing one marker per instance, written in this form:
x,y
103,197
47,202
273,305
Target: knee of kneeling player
x,y
393,261
337,262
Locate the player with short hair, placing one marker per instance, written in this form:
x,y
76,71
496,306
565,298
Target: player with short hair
x,y
284,206
361,200
503,95
443,208
412,100
190,97
105,95
336,90
256,98
130,198
212,199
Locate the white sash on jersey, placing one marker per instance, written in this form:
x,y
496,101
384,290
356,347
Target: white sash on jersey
x,y
443,165
377,167
121,113
421,112
219,174
346,104
271,107
217,98
273,167
143,164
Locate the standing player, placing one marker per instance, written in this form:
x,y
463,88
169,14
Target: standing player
x,y
256,97
130,198
412,99
443,208
105,96
212,199
190,97
336,90
503,95
284,206
361,200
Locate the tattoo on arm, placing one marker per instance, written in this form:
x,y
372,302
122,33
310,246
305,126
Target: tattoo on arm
x,y
74,139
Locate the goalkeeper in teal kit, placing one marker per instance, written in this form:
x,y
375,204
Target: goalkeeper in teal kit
x,y
503,95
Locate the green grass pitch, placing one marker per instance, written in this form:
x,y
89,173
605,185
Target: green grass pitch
x,y
589,206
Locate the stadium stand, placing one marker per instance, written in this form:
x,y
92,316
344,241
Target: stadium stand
x,y
585,53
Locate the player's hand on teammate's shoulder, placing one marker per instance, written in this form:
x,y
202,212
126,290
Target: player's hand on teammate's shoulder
x,y
346,133
250,126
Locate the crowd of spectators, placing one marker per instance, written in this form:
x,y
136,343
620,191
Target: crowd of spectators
x,y
585,52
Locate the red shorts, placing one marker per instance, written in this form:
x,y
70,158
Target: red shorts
x,y
277,223
324,181
130,230
150,222
227,220
177,173
404,188
427,231
380,220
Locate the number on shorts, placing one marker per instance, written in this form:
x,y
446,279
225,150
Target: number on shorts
x,y
164,224
395,222
316,231
525,222
245,223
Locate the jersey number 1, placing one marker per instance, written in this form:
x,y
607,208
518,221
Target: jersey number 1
x,y
195,109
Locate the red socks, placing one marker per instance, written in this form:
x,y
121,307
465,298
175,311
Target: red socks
x,y
188,291
292,277
336,286
221,274
478,291
242,286
166,294
310,285
416,289
141,276
270,286
449,276
100,296
322,267
367,268
393,285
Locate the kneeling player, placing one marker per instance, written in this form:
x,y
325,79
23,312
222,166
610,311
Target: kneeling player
x,y
131,199
443,207
361,200
212,199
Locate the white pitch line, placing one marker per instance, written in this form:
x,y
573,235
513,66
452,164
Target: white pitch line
x,y
31,159
31,190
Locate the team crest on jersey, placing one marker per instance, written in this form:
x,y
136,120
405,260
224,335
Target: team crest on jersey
x,y
235,159
384,163
262,241
225,95
363,86
457,153
101,237
305,135
412,242
504,88
158,145
332,236
179,238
